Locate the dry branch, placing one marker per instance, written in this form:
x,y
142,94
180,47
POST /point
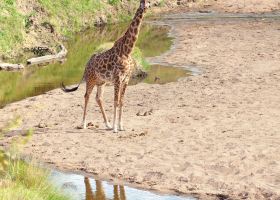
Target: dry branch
x,y
11,67
49,58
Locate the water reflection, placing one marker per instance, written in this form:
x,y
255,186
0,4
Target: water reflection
x,y
159,74
99,194
84,188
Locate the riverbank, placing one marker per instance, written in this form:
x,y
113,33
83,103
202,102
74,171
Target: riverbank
x,y
210,135
37,27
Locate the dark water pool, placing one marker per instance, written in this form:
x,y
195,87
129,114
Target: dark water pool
x,y
160,74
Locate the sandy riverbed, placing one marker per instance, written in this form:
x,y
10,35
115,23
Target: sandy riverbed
x,y
215,133
234,6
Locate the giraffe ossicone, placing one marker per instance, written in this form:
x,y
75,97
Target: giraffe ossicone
x,y
114,65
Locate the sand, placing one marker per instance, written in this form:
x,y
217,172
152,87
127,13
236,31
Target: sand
x,y
232,6
214,135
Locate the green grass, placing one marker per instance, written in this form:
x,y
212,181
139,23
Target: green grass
x,y
11,26
69,16
66,16
20,180
114,2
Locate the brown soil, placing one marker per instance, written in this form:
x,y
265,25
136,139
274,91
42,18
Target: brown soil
x,y
212,134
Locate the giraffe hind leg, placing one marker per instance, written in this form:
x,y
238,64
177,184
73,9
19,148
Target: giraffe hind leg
x,y
99,100
89,88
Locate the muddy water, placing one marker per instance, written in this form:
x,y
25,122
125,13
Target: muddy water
x,y
160,74
83,188
153,41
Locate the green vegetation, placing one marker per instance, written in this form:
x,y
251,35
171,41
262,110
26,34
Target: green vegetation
x,y
32,81
69,16
65,16
22,181
114,2
12,25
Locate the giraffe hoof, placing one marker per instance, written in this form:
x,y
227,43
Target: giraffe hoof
x,y
115,130
79,127
121,129
108,126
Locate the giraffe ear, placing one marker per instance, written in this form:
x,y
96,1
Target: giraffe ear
x,y
145,5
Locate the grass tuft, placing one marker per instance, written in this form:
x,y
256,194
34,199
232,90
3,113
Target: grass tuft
x,y
22,181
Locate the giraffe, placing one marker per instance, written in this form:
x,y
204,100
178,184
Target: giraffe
x,y
114,65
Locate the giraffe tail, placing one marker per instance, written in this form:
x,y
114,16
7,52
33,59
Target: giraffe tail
x,y
64,89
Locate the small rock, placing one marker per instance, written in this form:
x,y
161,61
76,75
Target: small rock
x,y
79,127
46,144
143,133
42,125
156,79
69,185
90,124
204,11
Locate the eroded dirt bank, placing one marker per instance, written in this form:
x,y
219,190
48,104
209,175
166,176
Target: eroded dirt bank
x,y
216,133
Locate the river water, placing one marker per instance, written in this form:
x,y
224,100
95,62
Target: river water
x,y
83,188
32,81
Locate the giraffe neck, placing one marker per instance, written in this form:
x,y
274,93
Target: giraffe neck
x,y
126,43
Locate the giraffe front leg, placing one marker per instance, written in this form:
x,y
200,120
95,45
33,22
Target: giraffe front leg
x,y
121,128
116,104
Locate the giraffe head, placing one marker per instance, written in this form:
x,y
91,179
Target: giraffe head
x,y
144,4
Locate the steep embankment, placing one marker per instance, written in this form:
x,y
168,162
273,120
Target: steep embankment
x,y
29,24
